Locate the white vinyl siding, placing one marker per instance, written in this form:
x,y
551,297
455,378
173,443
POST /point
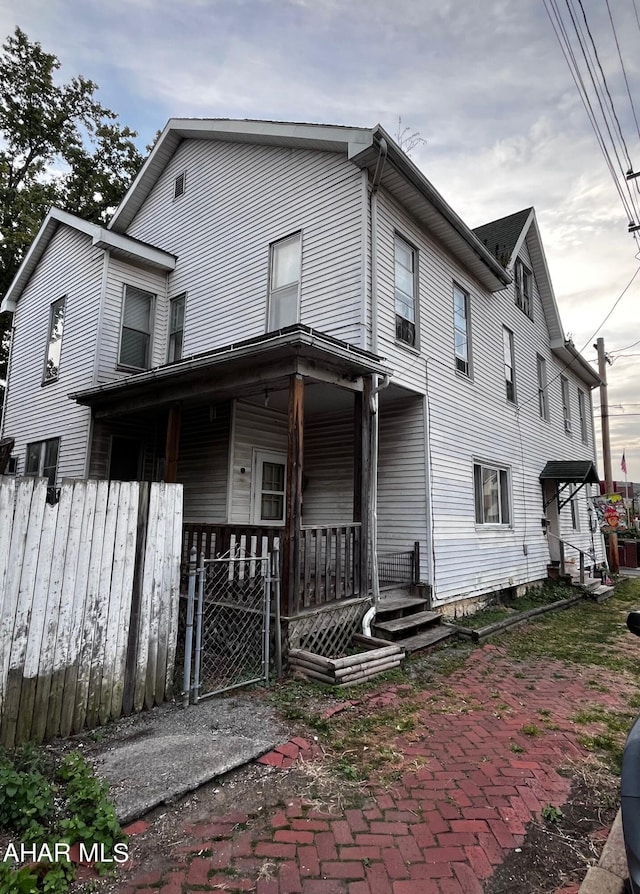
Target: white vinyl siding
x,y
72,267
240,199
254,428
203,462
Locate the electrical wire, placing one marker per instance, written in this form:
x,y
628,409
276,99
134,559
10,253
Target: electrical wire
x,y
617,350
624,71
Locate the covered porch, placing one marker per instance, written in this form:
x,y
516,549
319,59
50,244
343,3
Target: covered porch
x,y
273,441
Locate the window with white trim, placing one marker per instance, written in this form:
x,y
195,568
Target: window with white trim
x,y
492,497
54,343
42,460
405,267
176,328
566,404
582,414
269,482
524,288
135,338
461,330
543,396
509,364
284,282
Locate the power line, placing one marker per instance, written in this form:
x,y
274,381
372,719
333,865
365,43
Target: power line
x,y
617,350
624,71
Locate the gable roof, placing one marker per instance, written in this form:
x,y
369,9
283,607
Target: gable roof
x,y
124,246
368,148
501,236
504,238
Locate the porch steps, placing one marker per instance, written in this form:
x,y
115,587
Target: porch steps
x,y
407,621
594,588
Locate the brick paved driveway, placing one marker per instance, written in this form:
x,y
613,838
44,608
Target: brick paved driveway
x,y
479,765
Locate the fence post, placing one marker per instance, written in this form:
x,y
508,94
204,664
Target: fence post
x,y
267,569
275,576
196,679
188,640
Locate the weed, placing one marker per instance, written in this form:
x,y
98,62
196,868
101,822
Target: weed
x,y
30,789
530,729
552,814
517,749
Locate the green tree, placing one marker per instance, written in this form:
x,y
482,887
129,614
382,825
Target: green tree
x,y
58,146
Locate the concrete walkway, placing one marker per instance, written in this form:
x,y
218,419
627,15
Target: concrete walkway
x,y
478,767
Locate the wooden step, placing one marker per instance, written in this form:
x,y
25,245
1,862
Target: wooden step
x,y
399,605
427,638
602,593
406,622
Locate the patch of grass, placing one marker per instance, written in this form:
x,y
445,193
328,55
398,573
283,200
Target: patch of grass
x,y
543,595
530,729
517,749
586,634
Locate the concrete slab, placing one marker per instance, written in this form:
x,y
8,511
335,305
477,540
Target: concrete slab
x,y
157,756
599,881
609,876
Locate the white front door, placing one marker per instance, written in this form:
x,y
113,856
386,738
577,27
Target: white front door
x,y
269,483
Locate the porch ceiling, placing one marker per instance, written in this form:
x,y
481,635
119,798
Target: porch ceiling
x,y
238,370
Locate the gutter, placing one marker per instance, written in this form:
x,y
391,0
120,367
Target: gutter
x,y
411,173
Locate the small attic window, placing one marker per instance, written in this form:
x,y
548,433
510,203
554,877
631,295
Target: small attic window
x,y
179,185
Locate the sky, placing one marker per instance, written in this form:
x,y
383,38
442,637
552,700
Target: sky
x,y
485,87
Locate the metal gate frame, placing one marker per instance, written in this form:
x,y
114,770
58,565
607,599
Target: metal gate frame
x,y
240,567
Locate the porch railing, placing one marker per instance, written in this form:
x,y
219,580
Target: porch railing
x,y
401,568
329,557
329,565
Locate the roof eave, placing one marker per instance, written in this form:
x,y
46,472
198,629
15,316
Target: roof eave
x,y
462,242
567,352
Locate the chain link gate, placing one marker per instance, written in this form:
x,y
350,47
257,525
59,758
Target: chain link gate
x,y
228,623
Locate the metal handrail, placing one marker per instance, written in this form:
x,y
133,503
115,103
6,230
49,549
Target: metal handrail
x,y
591,554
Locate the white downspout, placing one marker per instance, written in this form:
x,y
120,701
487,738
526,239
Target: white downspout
x,y
373,521
373,402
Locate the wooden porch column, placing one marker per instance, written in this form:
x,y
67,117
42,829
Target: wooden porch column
x,y
362,477
172,444
293,518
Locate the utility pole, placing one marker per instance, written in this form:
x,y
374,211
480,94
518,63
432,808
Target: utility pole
x,y
614,564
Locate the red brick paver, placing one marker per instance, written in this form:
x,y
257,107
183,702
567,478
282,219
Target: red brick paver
x,y
479,765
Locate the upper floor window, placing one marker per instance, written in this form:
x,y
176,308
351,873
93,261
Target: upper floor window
x,y
566,406
524,288
405,291
284,282
492,499
135,338
582,412
54,344
176,328
461,329
509,364
42,460
543,396
180,185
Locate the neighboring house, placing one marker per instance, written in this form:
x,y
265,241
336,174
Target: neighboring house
x,y
292,322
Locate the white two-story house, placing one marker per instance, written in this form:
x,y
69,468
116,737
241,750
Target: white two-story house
x,y
291,321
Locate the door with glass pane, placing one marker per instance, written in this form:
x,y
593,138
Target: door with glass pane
x,y
269,486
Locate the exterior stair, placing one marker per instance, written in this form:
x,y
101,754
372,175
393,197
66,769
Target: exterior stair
x,y
407,621
593,587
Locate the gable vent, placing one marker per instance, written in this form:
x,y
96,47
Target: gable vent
x,y
179,185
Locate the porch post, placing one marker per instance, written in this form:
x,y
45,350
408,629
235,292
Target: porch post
x,y
362,477
293,517
172,444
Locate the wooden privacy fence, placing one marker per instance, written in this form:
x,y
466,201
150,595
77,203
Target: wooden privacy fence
x,y
89,593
